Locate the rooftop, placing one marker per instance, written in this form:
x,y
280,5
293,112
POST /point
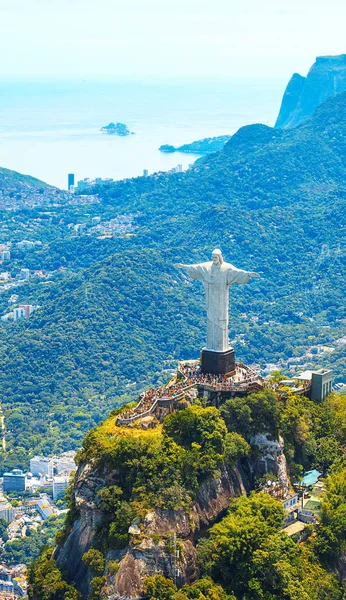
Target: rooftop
x,y
309,478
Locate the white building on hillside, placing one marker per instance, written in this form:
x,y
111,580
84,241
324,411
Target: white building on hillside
x,y
42,465
60,484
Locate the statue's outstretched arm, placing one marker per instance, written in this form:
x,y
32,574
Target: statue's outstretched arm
x,y
181,266
239,276
192,270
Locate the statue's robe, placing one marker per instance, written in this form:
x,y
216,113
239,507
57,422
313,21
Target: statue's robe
x,y
216,280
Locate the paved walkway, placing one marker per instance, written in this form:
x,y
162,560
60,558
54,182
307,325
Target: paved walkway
x,y
189,375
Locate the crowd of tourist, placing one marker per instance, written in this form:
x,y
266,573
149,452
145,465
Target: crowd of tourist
x,y
194,375
189,374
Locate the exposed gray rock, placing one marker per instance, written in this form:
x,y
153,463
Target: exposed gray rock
x,y
175,561
69,556
164,540
290,99
303,95
151,548
271,458
180,564
340,568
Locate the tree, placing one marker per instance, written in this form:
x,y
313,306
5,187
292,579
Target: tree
x,y
45,581
3,530
227,554
95,560
197,425
205,589
249,555
159,588
256,413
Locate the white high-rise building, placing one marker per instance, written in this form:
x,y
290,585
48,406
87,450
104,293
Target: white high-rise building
x,y
7,511
25,245
60,484
24,274
18,313
65,463
42,465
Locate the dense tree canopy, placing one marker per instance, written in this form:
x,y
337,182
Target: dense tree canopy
x,y
119,314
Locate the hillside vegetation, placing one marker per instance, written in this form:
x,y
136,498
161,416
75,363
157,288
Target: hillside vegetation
x,y
127,473
273,200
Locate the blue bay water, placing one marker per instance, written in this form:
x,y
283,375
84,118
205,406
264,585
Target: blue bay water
x,y
51,128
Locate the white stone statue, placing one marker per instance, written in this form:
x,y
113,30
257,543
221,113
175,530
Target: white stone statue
x,y
217,276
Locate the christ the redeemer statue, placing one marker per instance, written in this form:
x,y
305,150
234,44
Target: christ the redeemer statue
x,y
217,276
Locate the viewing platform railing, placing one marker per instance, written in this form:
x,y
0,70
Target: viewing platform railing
x,y
167,395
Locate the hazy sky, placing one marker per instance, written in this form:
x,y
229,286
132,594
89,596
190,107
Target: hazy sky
x,y
222,38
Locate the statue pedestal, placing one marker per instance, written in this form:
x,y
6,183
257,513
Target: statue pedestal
x,y
217,363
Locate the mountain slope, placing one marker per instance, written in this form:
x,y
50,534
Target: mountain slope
x,y
303,95
17,190
273,200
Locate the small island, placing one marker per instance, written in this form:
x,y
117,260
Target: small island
x,y
205,146
167,148
117,129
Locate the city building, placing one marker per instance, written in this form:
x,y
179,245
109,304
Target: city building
x,y
23,310
25,245
321,384
60,484
145,173
306,516
42,465
7,587
13,581
28,309
24,274
83,184
65,463
291,502
44,507
70,181
18,313
7,511
5,255
15,481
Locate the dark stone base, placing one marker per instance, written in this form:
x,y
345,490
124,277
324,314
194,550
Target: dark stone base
x,y
218,363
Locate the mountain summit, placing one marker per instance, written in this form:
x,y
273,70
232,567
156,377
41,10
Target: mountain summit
x,y
303,95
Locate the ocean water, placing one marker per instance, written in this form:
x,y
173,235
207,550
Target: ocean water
x,y
51,128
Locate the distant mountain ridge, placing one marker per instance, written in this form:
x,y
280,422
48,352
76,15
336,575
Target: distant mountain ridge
x,y
18,190
303,95
272,199
204,146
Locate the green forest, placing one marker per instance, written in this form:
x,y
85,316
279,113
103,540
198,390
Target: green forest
x,y
115,315
244,556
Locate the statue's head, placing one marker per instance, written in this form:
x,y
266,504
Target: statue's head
x,y
217,257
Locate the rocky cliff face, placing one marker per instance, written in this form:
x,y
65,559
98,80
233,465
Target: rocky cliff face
x,y
340,568
164,541
303,95
69,556
271,458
